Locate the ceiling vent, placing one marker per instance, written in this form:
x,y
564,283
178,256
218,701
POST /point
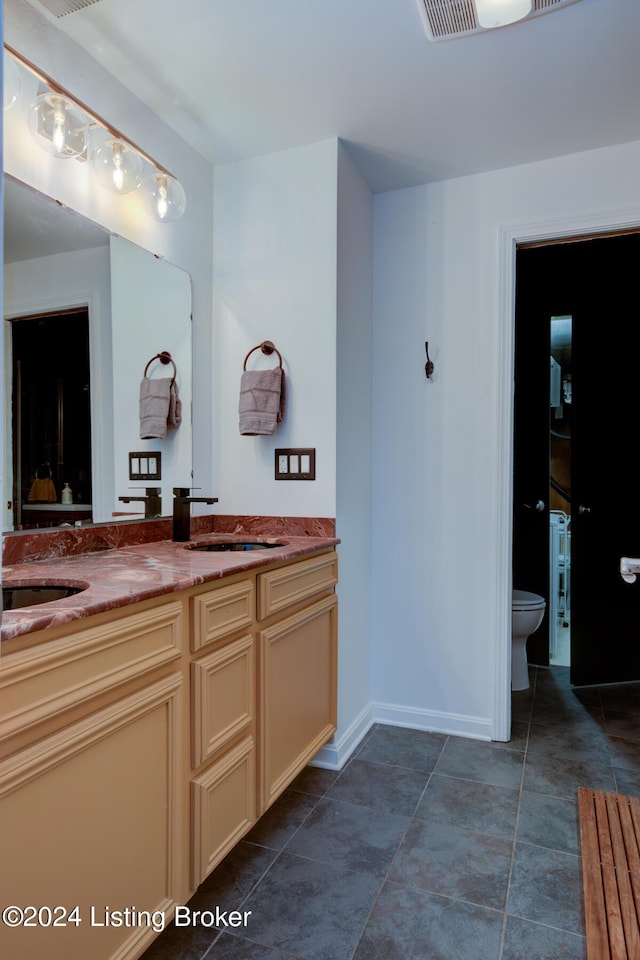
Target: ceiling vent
x,y
60,8
448,19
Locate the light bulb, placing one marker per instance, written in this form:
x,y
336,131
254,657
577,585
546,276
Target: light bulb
x,y
164,197
162,205
118,173
59,113
58,126
117,166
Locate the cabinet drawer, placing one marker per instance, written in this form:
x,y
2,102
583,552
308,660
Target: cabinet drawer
x,y
222,611
49,678
223,808
224,694
279,589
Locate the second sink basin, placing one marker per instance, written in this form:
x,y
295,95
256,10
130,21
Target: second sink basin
x,y
233,545
29,595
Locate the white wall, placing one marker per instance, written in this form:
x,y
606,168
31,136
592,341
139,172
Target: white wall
x,y
354,439
443,258
187,242
275,279
292,245
62,282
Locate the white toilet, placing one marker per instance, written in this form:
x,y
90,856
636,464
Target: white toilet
x,y
527,611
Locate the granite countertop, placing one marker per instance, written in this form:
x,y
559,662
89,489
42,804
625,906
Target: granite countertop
x,y
117,577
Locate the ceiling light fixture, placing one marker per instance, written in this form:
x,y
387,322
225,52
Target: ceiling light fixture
x,y
498,13
65,128
451,19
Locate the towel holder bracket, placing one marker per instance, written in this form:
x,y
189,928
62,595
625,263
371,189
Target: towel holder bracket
x,y
267,347
165,358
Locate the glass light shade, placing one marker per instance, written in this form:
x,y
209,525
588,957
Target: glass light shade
x,y
10,83
497,13
58,126
164,197
117,166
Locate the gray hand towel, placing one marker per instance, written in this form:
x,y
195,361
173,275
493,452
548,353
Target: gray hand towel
x,y
262,401
174,417
155,396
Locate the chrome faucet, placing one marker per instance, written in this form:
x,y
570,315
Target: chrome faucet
x,y
182,512
152,502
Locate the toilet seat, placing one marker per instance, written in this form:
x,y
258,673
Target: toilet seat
x,y
523,600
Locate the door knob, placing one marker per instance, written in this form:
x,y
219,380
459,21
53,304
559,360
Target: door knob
x,y
582,510
538,506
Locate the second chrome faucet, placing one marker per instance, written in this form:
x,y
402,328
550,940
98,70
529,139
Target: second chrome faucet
x,y
182,512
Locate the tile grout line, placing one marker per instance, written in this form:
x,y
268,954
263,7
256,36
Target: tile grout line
x,y
385,878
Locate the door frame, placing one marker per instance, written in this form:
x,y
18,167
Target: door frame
x,y
58,303
510,236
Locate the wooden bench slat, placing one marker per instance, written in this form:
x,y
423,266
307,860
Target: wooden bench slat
x,y
624,894
610,847
594,904
630,837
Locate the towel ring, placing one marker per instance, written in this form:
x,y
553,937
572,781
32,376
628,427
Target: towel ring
x,y
165,358
267,348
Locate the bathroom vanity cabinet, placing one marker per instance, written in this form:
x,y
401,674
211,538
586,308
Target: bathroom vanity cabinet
x,y
263,680
138,746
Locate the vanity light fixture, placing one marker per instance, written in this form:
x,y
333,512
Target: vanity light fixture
x,y
64,127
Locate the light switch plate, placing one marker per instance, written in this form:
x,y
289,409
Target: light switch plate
x,y
295,463
145,465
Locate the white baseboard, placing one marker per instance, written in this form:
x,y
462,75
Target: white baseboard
x,y
335,754
433,721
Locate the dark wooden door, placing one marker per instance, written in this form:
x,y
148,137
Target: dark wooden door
x,y
605,617
593,281
531,439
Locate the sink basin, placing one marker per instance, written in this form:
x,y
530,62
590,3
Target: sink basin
x,y
233,545
31,594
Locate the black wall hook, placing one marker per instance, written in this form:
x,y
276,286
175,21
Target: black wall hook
x,y
428,367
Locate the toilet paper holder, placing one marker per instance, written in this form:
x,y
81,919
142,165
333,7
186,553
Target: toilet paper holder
x,y
629,567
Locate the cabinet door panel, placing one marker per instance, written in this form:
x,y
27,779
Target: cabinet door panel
x,y
224,807
99,802
298,687
224,694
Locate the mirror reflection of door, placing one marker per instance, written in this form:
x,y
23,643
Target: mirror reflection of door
x,y
51,419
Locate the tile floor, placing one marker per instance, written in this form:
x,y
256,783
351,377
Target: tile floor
x,y
428,847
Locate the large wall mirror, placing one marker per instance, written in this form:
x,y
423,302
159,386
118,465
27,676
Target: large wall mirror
x,y
85,315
